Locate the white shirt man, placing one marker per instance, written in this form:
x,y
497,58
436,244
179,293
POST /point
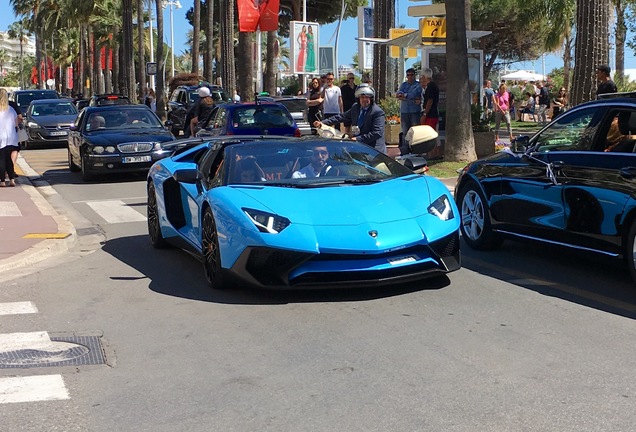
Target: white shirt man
x,y
332,99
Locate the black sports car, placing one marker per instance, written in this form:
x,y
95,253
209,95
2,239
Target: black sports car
x,y
115,138
572,184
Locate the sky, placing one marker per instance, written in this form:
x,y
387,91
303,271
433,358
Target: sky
x,y
348,33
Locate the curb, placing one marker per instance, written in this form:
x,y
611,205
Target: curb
x,y
49,247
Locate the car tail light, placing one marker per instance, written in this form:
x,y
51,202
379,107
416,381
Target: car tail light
x,y
297,133
112,97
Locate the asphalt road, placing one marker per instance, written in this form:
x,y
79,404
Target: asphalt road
x,y
526,338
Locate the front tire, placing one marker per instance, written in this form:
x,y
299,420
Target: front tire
x,y
475,219
214,273
86,174
154,227
630,251
72,165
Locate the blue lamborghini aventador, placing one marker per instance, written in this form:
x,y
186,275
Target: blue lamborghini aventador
x,y
283,213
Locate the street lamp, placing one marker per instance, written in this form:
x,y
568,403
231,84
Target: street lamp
x,y
173,4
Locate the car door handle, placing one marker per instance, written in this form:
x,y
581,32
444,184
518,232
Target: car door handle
x,y
558,165
628,172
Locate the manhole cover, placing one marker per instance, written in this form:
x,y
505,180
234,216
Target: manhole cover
x,y
59,351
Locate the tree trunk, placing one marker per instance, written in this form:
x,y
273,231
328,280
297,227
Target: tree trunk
x,y
269,77
460,144
195,36
116,62
141,62
81,68
246,60
621,37
161,66
228,74
91,61
209,43
108,84
591,47
567,61
383,21
128,81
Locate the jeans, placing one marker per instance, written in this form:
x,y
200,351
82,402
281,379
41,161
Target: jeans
x,y
541,113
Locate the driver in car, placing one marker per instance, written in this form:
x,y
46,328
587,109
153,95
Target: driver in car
x,y
318,166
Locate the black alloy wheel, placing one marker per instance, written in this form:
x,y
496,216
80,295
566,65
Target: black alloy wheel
x,y
475,219
154,228
71,164
211,253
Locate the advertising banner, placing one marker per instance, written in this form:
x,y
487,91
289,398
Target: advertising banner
x,y
258,14
327,61
304,47
365,29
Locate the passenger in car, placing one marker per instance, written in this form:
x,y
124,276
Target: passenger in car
x,y
621,136
96,122
248,171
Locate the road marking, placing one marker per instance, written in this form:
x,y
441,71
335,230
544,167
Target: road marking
x,y
15,308
116,211
32,389
9,208
18,341
114,199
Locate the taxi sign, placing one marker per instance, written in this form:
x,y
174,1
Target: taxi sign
x,y
433,30
394,52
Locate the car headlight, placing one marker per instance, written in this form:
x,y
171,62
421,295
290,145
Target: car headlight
x,y
98,149
110,149
157,146
267,222
32,124
441,208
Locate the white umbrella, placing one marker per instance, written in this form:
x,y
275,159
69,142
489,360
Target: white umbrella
x,y
522,75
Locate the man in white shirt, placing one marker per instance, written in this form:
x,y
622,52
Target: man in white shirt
x,y
318,165
332,100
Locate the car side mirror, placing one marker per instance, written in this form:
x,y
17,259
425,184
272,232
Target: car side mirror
x,y
520,144
189,175
73,128
168,123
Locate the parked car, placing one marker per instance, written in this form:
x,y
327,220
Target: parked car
x,y
49,120
572,184
183,99
297,107
24,97
80,104
115,138
262,118
108,99
244,206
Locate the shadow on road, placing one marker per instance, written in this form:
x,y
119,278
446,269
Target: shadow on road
x,y
590,280
176,273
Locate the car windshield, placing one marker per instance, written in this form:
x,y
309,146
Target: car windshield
x,y
48,109
122,119
308,164
294,105
261,116
24,99
218,96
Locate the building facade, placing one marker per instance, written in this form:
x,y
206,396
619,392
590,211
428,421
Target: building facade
x,y
11,47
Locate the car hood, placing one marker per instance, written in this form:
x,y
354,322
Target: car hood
x,y
54,120
347,205
122,136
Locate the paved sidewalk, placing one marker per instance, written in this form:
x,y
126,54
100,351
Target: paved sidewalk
x,y
30,228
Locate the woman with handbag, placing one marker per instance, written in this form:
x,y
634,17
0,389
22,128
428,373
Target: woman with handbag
x,y
8,138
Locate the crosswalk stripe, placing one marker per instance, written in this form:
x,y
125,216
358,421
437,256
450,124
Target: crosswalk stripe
x,y
116,211
32,389
18,341
14,308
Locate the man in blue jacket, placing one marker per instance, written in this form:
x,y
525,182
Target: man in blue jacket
x,y
367,119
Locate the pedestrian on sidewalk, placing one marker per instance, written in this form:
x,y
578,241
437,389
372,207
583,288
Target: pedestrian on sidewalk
x,y
544,103
502,110
8,138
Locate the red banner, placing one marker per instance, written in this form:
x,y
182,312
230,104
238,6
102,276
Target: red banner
x,y
249,14
69,77
261,14
269,15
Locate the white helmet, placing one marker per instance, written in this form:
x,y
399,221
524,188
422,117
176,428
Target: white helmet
x,y
204,92
364,89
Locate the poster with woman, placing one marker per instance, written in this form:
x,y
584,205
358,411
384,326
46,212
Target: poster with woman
x,y
304,47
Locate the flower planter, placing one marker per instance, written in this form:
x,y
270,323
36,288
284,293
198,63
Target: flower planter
x,y
484,143
392,134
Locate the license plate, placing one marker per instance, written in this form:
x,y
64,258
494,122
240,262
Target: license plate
x,y
135,159
402,260
58,133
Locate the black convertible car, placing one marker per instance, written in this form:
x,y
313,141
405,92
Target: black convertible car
x,y
572,184
115,138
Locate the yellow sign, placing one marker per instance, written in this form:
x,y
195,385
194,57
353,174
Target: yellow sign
x,y
395,50
433,30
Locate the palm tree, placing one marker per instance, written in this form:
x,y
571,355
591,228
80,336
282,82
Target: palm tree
x,y
383,20
228,76
127,80
195,36
160,91
141,63
591,47
18,30
209,42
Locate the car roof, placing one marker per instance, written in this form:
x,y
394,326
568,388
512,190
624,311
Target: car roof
x,y
50,101
34,91
117,107
196,87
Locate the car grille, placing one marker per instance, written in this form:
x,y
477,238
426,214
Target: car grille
x,y
61,127
135,147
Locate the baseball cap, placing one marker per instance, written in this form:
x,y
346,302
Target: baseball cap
x,y
204,92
